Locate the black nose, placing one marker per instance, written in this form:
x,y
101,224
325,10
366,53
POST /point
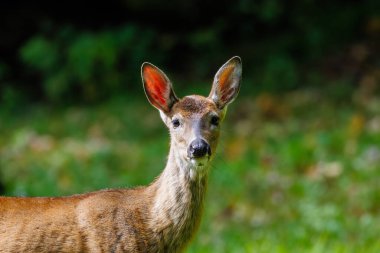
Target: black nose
x,y
198,148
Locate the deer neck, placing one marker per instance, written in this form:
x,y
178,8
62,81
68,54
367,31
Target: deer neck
x,y
178,202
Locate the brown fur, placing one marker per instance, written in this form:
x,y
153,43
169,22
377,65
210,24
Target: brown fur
x,y
194,104
106,221
161,217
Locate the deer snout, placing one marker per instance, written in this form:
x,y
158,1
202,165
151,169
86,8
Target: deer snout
x,y
198,148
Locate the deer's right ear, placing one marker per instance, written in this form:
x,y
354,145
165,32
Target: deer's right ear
x,y
158,87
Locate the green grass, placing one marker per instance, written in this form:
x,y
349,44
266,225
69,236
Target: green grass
x,y
294,173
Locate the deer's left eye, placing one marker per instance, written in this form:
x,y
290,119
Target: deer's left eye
x,y
214,120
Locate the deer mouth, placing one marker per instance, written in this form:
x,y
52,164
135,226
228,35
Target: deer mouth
x,y
200,161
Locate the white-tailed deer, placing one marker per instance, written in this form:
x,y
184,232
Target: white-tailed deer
x,y
161,217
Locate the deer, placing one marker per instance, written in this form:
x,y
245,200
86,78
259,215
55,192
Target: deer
x,y
161,217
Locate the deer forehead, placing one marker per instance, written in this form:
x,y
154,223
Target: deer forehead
x,y
194,105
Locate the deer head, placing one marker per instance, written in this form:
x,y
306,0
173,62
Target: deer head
x,y
194,121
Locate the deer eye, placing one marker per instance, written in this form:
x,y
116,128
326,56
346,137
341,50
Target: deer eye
x,y
175,123
214,120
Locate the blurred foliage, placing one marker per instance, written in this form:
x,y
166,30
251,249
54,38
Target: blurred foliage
x,y
94,65
284,45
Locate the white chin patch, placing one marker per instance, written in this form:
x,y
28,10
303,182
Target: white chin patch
x,y
198,167
199,162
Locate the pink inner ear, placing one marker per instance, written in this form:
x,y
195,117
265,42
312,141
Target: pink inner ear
x,y
224,78
156,85
227,94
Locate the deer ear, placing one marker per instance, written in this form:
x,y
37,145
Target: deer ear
x,y
158,87
226,84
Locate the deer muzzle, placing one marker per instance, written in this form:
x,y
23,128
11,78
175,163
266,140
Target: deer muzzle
x,y
198,148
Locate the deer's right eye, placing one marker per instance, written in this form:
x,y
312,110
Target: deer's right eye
x,y
175,123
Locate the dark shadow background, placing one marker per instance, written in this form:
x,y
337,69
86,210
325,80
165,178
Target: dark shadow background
x,y
89,52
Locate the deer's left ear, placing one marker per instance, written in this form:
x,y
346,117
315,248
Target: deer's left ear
x,y
158,88
226,84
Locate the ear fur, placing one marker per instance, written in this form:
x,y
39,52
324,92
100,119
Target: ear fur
x,y
158,87
226,85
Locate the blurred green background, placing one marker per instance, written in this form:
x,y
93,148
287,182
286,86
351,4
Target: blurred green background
x,y
298,164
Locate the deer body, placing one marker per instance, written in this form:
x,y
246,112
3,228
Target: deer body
x,y
161,217
157,218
